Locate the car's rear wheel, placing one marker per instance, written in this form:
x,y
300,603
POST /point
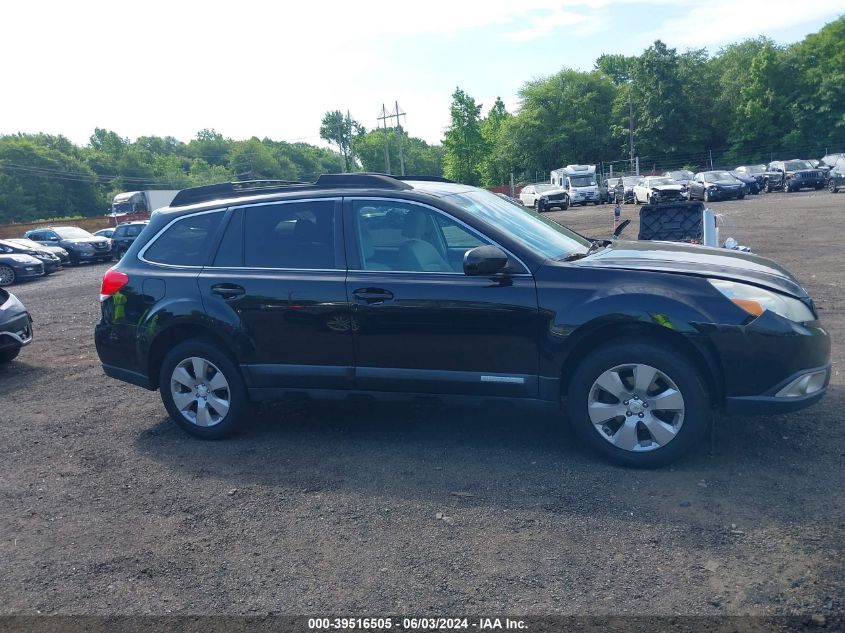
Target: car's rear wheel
x,y
638,404
7,276
8,355
202,389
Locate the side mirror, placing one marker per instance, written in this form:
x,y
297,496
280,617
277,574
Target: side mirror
x,y
484,260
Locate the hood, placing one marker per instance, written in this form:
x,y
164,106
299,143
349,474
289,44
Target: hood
x,y
702,261
11,260
553,192
667,188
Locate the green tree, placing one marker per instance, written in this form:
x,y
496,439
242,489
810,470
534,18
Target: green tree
x,y
341,131
464,146
497,164
421,159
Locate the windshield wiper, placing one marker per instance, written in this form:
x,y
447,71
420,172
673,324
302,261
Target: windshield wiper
x,y
596,245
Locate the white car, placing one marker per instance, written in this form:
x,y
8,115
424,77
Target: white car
x,y
529,194
654,189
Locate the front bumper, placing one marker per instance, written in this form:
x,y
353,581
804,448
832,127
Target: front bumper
x,y
16,331
763,364
807,183
28,271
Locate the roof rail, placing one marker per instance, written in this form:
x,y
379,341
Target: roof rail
x,y
426,178
245,188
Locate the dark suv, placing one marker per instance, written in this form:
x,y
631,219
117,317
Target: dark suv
x,y
80,245
124,234
371,285
792,175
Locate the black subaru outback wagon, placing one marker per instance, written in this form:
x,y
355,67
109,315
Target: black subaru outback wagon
x,y
370,284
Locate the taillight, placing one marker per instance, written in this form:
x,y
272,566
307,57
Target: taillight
x,y
113,281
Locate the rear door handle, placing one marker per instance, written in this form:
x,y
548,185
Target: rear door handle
x,y
373,295
228,291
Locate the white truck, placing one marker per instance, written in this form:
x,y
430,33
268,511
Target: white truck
x,y
141,202
579,182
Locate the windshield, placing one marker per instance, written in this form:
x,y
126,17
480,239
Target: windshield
x,y
630,181
582,181
541,188
537,233
71,232
797,164
681,175
718,176
660,181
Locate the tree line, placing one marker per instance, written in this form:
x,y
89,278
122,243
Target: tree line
x,y
749,102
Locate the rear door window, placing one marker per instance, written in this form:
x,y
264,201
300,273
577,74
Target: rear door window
x,y
302,234
186,242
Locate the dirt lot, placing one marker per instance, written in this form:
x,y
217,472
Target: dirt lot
x,y
332,508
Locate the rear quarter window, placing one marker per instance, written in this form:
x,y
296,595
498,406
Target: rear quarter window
x,y
186,242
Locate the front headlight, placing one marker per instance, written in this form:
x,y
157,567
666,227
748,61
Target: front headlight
x,y
22,259
755,301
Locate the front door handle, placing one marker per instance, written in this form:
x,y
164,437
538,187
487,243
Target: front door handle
x,y
228,291
373,295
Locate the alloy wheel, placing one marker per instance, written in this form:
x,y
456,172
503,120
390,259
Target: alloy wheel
x,y
7,276
200,391
636,407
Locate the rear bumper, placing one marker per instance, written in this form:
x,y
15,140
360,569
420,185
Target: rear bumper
x,y
129,376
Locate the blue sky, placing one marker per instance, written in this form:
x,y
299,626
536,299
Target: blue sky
x,y
272,69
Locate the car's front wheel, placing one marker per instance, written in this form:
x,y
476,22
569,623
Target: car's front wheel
x,y
8,355
7,275
202,389
831,186
638,404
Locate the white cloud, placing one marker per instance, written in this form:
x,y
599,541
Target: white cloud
x,y
543,25
719,22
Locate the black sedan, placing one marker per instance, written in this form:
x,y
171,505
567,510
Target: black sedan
x,y
15,326
50,261
17,267
752,185
58,251
715,185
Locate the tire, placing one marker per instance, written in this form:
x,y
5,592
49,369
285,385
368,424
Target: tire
x,y
741,196
7,275
831,187
676,430
767,187
706,196
189,356
8,355
74,260
565,204
786,187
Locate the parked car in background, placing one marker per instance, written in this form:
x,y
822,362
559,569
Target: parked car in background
x,y
17,267
529,194
657,189
79,243
758,172
15,326
107,234
681,176
751,183
50,261
611,183
556,198
452,292
125,234
58,251
828,161
792,175
836,176
715,185
625,188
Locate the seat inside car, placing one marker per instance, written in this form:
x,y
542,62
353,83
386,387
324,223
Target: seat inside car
x,y
416,252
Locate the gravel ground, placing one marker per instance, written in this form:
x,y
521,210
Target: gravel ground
x,y
107,508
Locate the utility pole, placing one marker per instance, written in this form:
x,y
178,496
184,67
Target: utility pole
x,y
340,136
351,144
399,135
631,127
710,151
383,117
